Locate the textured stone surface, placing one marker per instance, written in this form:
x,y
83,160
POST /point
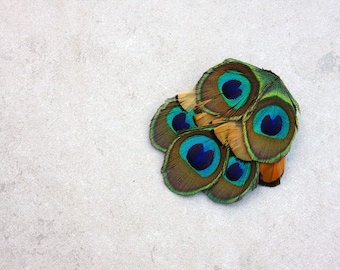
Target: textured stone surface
x,y
80,184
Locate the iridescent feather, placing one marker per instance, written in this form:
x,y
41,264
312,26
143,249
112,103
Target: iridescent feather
x,y
229,134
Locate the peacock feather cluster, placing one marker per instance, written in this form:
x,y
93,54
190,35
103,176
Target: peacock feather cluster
x,y
229,134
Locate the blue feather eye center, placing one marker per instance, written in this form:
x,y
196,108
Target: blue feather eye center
x,y
179,123
201,153
178,119
234,172
198,158
271,126
237,171
231,89
271,121
235,88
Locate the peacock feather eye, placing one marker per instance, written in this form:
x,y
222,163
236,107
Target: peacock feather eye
x,y
169,120
202,153
238,178
237,171
179,119
271,122
229,134
231,87
193,161
234,88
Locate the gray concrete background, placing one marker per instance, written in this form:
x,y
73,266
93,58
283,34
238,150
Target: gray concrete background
x,y
80,184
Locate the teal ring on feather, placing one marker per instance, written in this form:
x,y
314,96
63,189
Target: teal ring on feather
x,y
201,153
235,88
230,87
179,119
237,171
271,121
169,120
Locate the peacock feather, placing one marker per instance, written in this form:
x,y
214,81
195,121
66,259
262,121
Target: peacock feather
x,y
229,134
